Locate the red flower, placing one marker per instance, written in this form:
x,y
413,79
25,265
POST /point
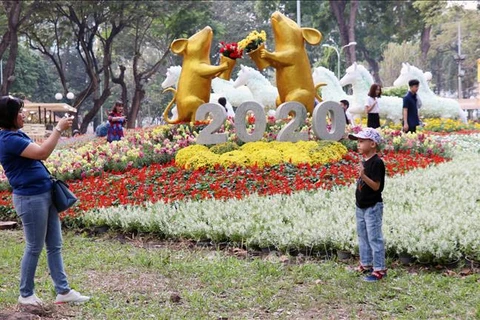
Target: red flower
x,y
169,183
230,50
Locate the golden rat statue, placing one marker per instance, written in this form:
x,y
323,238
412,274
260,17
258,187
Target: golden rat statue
x,y
293,72
195,82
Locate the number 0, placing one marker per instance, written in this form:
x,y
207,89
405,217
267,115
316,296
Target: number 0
x,y
319,122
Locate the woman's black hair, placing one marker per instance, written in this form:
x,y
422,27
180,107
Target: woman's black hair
x,y
9,109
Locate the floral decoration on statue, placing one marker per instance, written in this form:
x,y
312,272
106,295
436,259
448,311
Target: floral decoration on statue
x,y
230,50
253,41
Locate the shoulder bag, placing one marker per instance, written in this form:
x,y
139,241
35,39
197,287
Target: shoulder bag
x,y
62,197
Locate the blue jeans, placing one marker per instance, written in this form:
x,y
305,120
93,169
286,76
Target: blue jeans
x,y
370,236
41,225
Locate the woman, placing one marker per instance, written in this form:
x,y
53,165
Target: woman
x,y
372,106
116,120
32,199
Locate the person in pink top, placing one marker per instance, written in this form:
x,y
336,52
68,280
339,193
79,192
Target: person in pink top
x,y
116,120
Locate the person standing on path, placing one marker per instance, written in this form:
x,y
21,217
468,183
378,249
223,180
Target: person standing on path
x,y
32,200
410,107
369,206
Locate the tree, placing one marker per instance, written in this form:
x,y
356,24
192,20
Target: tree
x,y
16,12
34,79
313,14
154,25
346,24
430,13
444,46
93,29
393,57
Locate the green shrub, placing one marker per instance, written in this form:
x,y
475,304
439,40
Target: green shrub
x,y
395,91
224,147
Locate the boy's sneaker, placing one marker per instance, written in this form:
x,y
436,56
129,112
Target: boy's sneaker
x,y
363,269
32,300
375,276
71,297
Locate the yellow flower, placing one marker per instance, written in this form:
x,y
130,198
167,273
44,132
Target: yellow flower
x,y
202,159
185,154
252,41
263,153
236,157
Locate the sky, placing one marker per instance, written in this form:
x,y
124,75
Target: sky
x,y
471,4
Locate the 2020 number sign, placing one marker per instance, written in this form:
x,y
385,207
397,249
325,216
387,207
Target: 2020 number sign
x,y
332,109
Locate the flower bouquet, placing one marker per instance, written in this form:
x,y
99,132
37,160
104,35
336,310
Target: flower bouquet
x,y
252,45
229,52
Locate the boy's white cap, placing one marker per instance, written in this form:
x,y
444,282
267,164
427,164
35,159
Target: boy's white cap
x,y
367,133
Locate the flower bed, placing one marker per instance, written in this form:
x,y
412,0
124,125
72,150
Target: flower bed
x,y
134,185
437,125
261,154
169,183
432,214
159,145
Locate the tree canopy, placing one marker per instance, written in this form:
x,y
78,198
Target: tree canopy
x,y
107,50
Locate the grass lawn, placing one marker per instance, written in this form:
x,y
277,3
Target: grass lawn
x,y
158,280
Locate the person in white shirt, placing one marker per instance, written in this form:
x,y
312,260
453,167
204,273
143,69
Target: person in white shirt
x,y
372,106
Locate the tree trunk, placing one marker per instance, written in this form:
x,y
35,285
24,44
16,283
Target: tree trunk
x,y
97,104
346,28
120,80
351,56
9,71
374,67
138,96
13,10
425,44
338,9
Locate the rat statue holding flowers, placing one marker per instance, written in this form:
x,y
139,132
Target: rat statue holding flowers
x,y
290,59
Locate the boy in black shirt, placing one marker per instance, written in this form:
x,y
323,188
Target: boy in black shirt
x,y
369,204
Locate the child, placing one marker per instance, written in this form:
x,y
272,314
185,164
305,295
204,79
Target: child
x,y
369,204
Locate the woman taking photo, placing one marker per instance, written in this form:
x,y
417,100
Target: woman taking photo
x,y
32,199
372,106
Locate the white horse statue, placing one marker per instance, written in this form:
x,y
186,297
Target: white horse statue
x,y
173,74
432,105
263,91
224,88
361,80
236,96
333,90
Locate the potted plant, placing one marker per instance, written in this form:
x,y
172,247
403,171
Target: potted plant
x,y
229,53
252,45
